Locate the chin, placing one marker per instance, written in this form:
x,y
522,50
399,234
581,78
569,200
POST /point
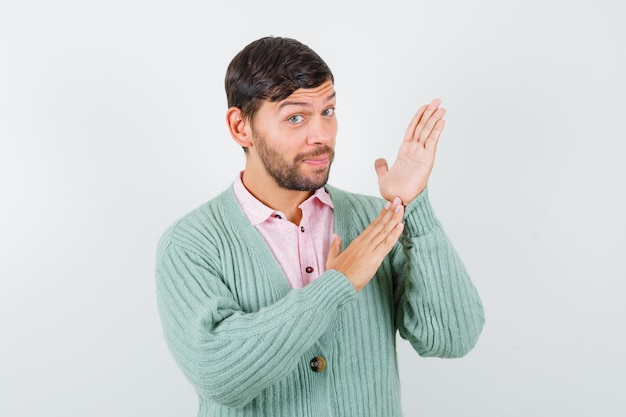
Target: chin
x,y
302,184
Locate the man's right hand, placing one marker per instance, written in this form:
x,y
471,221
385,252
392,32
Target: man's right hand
x,y
361,259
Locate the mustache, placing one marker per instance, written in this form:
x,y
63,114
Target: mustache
x,y
322,150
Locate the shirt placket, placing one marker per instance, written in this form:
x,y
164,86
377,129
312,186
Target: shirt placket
x,y
306,251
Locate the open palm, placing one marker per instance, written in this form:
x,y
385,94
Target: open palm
x,y
409,174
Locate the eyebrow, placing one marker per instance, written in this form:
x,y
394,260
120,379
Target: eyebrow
x,y
303,103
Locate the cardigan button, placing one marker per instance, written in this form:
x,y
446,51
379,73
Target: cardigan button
x,y
318,364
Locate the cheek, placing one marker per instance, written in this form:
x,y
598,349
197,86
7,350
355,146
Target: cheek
x,y
332,126
290,141
285,148
332,133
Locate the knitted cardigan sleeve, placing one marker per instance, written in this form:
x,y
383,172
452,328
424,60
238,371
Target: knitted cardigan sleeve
x,y
438,308
230,355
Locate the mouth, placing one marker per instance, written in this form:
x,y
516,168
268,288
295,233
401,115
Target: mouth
x,y
320,157
318,160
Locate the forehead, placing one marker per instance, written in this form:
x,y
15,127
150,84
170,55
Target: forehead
x,y
304,97
309,99
325,91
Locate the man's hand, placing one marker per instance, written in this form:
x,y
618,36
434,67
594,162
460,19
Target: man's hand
x,y
361,259
409,175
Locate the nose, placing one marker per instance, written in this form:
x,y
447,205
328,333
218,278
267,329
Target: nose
x,y
321,131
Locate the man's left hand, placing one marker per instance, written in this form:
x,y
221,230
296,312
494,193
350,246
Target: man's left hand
x,y
409,174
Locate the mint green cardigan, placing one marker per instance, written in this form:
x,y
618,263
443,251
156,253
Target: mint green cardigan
x,y
245,340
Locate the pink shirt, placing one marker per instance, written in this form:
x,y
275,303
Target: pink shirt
x,y
301,250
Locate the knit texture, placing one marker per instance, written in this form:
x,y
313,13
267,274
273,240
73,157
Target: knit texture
x,y
245,339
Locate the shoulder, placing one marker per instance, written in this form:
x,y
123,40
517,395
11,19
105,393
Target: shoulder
x,y
204,224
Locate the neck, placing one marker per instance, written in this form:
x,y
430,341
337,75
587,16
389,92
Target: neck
x,y
268,192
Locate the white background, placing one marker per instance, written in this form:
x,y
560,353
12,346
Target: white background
x,y
112,126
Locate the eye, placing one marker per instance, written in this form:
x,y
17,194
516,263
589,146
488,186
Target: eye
x,y
329,111
296,118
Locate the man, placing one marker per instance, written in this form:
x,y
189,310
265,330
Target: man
x,y
282,296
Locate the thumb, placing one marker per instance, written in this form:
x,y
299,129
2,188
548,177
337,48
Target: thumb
x,y
381,167
334,250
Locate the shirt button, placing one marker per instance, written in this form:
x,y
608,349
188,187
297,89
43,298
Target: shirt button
x,y
309,269
302,229
318,364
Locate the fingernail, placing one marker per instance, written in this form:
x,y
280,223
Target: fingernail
x,y
387,205
396,201
398,208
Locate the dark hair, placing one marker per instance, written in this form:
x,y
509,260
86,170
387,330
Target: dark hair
x,y
272,68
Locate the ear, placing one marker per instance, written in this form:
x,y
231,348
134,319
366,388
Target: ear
x,y
239,127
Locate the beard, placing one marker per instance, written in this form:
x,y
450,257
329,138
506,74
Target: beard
x,y
289,174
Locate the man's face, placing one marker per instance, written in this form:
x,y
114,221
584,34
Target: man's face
x,y
294,139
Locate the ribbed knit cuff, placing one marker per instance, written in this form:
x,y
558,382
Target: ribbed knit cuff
x,y
331,290
419,218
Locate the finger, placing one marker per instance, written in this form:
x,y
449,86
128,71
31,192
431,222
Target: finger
x,y
395,233
432,108
370,235
334,250
381,167
431,143
434,104
387,244
382,225
438,115
410,130
395,214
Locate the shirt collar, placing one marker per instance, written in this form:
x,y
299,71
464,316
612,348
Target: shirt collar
x,y
258,212
322,195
